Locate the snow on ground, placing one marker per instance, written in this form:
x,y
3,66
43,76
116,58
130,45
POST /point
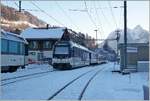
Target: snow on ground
x,y
42,87
74,90
106,85
30,69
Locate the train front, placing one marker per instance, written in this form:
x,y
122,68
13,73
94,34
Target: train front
x,y
61,56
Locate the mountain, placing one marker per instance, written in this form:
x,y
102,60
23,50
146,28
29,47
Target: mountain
x,y
106,52
12,20
135,35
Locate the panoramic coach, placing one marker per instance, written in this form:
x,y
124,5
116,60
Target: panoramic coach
x,y
13,51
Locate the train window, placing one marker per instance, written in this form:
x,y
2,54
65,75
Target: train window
x,y
61,50
75,52
21,48
4,45
13,47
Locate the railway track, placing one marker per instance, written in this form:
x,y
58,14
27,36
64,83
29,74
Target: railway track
x,y
71,82
23,77
85,87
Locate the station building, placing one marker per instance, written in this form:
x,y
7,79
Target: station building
x,y
137,57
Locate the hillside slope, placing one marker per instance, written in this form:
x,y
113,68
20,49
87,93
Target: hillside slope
x,y
11,19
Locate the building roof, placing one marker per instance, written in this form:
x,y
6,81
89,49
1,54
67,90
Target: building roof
x,y
12,36
43,33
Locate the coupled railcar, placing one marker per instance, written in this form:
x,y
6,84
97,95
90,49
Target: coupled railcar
x,y
68,55
13,51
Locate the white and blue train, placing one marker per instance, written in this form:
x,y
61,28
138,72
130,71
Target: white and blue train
x,y
13,51
68,55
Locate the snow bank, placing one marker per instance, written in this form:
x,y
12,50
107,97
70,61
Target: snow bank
x,y
30,69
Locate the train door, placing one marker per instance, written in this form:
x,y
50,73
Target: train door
x,y
90,58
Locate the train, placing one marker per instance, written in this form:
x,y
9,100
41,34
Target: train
x,y
14,51
69,55
66,54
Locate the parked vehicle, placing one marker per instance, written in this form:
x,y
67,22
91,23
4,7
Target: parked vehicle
x,y
13,51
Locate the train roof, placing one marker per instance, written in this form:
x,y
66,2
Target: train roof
x,y
73,44
42,33
12,36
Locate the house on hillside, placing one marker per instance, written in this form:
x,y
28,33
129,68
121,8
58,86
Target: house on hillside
x,y
137,57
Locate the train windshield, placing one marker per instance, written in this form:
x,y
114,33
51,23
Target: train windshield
x,y
61,50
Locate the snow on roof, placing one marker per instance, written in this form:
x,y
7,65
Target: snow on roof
x,y
41,33
73,44
12,36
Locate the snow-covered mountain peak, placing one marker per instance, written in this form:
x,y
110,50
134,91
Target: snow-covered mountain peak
x,y
135,35
138,27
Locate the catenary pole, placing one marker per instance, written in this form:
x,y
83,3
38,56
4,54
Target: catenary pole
x,y
125,34
19,6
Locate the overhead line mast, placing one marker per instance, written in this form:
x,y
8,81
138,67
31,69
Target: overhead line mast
x,y
125,34
19,6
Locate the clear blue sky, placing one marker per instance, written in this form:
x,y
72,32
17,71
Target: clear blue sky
x,y
138,14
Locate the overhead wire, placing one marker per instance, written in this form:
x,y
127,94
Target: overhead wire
x,y
16,4
106,19
65,13
89,14
120,17
110,6
98,18
26,9
47,14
